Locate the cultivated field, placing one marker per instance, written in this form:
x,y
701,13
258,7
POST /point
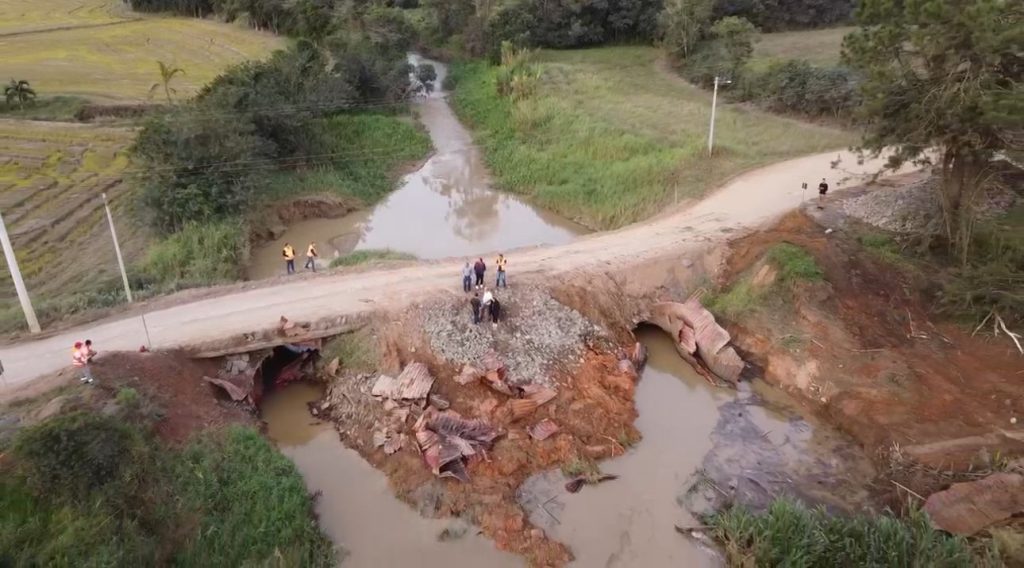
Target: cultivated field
x,y
96,49
51,178
818,47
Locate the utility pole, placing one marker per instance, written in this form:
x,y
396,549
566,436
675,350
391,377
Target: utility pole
x,y
117,249
19,284
714,103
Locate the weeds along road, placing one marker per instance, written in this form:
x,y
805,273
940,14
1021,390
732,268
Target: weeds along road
x,y
747,202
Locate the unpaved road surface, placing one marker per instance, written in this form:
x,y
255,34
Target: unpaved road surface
x,y
747,202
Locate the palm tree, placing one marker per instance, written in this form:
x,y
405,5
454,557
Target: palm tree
x,y
167,72
20,91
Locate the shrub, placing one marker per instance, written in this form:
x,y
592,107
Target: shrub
x,y
70,456
798,87
200,255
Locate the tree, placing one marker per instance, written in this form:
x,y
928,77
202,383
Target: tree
x,y
736,37
19,91
167,74
942,79
683,23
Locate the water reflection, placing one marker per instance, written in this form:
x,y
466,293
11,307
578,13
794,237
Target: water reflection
x,y
446,208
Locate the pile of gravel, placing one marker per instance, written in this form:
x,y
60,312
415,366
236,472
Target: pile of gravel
x,y
915,208
535,334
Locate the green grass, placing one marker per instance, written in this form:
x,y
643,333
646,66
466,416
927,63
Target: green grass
x,y
794,263
59,108
368,152
735,301
817,47
113,497
369,255
788,534
356,351
611,137
199,255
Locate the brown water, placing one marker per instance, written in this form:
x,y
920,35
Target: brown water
x,y
446,208
687,426
356,508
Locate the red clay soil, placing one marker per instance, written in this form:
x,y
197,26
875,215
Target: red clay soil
x,y
175,384
875,360
594,409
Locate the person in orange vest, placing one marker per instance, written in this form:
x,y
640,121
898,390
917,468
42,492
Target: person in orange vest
x,y
288,252
80,361
501,263
311,257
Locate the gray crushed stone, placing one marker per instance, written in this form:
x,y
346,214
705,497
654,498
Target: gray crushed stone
x,y
536,334
915,208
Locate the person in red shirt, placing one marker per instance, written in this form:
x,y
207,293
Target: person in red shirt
x,y
80,361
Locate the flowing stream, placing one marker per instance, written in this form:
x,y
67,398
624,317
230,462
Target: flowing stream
x,y
447,208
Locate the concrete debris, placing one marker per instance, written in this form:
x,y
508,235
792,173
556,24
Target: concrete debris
x,y
289,328
412,384
699,338
332,368
494,380
494,364
447,441
520,408
626,367
438,402
394,443
540,395
543,430
638,356
967,508
380,437
469,375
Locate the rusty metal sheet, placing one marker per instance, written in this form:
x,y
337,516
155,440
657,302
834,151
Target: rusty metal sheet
x,y
413,383
543,430
521,407
385,386
966,508
709,334
468,375
235,387
539,394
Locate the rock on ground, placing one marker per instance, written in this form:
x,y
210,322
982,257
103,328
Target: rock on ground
x,y
535,334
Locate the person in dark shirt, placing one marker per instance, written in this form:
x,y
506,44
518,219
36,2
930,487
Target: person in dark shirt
x,y
479,268
822,190
474,304
495,310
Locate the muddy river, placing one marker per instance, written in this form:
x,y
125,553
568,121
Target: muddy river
x,y
355,507
447,208
753,442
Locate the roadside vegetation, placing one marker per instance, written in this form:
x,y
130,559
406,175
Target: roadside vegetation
x,y
369,255
789,534
573,132
789,265
91,489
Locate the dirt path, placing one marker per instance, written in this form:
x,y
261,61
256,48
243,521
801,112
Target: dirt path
x,y
227,322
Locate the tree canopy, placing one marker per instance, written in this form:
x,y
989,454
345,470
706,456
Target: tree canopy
x,y
942,76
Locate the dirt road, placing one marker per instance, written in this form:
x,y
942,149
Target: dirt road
x,y
747,202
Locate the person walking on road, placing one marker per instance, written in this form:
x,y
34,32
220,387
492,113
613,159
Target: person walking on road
x,y
311,256
467,277
288,252
474,305
479,268
822,190
80,361
501,263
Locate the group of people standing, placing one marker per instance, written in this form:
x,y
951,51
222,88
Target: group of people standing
x,y
81,356
288,252
488,306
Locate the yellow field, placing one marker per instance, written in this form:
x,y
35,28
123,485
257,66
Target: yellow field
x,y
116,60
20,16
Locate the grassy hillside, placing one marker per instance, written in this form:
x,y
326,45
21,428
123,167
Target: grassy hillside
x,y
612,137
100,50
817,47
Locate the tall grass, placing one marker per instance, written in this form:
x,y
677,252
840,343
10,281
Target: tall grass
x,y
200,255
608,138
791,535
358,257
112,497
794,263
367,150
